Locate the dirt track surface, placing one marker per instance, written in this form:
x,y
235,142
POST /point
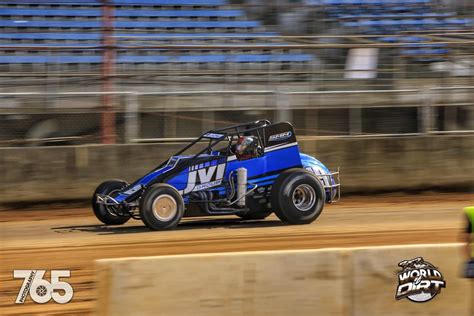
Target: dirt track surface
x,y
72,238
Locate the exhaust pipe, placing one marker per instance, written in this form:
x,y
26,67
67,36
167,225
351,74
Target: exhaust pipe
x,y
241,186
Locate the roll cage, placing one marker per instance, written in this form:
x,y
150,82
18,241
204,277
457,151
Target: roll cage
x,y
216,136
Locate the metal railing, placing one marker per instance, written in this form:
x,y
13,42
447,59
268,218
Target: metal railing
x,y
182,114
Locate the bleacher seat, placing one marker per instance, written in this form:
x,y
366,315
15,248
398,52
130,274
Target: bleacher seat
x,y
396,16
129,24
136,36
121,2
386,17
120,13
237,58
426,52
76,25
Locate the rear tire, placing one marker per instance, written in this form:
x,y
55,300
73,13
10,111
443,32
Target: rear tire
x,y
161,207
297,197
102,212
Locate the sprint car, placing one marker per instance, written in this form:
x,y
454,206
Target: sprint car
x,y
250,170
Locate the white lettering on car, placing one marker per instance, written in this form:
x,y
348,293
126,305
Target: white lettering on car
x,y
279,137
200,179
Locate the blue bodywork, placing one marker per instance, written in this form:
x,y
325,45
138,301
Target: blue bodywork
x,y
213,171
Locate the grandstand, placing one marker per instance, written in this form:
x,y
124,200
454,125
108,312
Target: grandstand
x,y
168,68
77,25
396,17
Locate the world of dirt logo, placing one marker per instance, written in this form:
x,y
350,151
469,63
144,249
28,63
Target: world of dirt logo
x,y
419,281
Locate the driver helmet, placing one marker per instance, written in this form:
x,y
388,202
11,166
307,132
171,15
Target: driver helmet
x,y
246,147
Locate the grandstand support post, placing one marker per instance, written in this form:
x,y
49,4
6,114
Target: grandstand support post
x,y
355,120
132,122
108,59
208,120
283,107
425,113
170,124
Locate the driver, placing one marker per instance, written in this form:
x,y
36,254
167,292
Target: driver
x,y
246,147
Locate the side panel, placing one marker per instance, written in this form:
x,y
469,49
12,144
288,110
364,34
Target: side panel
x,y
206,167
200,177
270,165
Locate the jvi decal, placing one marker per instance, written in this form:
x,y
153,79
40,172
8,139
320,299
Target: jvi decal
x,y
200,179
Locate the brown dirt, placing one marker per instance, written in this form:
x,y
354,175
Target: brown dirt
x,y
72,238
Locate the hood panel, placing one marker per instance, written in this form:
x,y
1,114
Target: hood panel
x,y
309,162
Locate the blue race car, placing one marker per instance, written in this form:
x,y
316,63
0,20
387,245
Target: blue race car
x,y
250,170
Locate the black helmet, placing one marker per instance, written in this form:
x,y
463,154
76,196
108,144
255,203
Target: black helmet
x,y
246,147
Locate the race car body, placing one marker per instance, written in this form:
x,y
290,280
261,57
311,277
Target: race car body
x,y
258,169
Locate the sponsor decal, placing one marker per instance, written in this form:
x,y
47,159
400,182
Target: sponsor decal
x,y
279,137
207,185
213,135
419,281
203,177
41,290
133,190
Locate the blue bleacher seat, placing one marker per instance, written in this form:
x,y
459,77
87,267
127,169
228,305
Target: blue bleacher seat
x,y
365,2
20,15
237,58
350,24
412,39
128,24
395,16
50,59
416,52
122,2
152,47
457,21
426,45
120,13
385,17
402,39
135,36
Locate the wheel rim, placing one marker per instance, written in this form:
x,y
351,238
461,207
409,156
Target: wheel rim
x,y
165,207
304,197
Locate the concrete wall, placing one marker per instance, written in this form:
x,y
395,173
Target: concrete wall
x,y
260,283
367,165
374,281
359,281
399,163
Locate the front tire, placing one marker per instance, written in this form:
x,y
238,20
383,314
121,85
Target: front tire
x,y
297,197
105,213
161,207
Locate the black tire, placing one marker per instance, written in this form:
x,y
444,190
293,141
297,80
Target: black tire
x,y
101,211
257,210
172,203
297,197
